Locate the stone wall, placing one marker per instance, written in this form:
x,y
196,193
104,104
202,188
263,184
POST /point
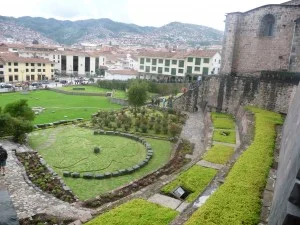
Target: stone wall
x,y
245,49
227,93
283,210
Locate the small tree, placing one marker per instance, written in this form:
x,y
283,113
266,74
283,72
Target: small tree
x,y
20,109
137,94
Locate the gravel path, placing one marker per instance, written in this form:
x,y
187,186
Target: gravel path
x,y
193,131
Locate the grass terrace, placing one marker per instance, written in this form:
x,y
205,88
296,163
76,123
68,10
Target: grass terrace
x,y
136,212
224,128
193,180
219,154
59,105
238,200
94,89
70,148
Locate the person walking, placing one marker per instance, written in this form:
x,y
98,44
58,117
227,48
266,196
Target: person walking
x,y
3,158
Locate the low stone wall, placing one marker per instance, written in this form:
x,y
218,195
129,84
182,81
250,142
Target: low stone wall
x,y
119,101
76,93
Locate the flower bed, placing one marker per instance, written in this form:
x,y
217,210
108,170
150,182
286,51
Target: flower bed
x,y
40,176
194,180
137,211
238,200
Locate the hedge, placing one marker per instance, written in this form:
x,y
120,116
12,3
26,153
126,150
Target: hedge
x,y
218,154
137,211
193,180
238,200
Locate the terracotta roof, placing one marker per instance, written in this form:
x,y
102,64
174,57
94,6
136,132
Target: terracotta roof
x,y
201,53
11,57
123,72
179,55
12,45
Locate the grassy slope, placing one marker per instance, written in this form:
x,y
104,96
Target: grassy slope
x,y
228,138
136,212
86,189
238,201
60,105
218,154
194,179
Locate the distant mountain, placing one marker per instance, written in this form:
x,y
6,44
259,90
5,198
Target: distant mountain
x,y
98,30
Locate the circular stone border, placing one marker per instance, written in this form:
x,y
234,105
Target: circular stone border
x,y
121,172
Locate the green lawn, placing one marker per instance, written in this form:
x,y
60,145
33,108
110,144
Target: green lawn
x,y
218,154
95,89
136,212
226,136
73,144
59,105
238,200
222,121
194,180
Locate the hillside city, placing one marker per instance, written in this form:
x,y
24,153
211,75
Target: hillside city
x,y
105,122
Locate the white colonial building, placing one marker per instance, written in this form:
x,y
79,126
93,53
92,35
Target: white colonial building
x,y
120,74
178,66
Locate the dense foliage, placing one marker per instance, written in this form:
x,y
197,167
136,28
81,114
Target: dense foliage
x,y
15,120
193,180
137,211
218,154
238,200
137,93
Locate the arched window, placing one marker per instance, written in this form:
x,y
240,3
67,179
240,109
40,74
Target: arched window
x,y
267,25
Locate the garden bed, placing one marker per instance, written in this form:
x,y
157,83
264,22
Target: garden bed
x,y
40,176
145,121
44,219
137,211
238,200
193,180
173,165
218,154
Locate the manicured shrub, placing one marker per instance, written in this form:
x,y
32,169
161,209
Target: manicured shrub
x,y
219,154
137,211
238,200
144,128
194,180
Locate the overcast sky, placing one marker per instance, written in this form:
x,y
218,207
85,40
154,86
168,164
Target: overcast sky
x,y
146,13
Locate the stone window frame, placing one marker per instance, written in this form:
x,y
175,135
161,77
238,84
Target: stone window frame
x,y
269,21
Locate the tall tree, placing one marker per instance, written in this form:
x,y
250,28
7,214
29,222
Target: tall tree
x,y
137,93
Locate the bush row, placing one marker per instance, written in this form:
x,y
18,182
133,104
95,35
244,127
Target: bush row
x,y
60,122
118,172
238,200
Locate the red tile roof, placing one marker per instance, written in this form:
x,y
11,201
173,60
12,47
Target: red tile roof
x,y
123,72
11,57
179,55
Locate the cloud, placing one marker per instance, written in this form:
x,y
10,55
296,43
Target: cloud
x,y
145,13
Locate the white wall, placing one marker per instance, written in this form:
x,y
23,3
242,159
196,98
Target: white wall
x,y
81,65
109,76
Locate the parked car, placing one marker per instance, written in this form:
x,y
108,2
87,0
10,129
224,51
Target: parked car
x,y
45,82
63,81
36,84
4,85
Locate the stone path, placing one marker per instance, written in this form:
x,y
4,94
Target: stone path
x,y
193,131
51,139
210,164
27,200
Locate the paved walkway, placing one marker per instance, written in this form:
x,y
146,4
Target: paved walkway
x,y
29,201
193,131
51,139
